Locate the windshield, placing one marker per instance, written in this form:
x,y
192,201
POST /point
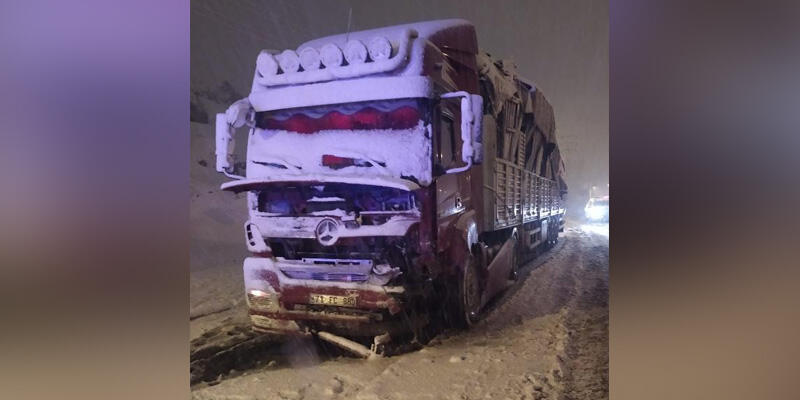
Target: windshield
x,y
371,115
387,139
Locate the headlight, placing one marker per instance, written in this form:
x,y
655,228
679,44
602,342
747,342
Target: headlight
x,y
331,55
262,301
289,61
380,48
355,52
266,64
309,58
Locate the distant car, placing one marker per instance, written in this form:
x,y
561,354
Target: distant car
x,y
597,209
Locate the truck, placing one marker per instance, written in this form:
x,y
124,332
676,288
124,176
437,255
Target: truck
x,y
396,179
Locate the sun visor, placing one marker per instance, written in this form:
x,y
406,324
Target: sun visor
x,y
254,183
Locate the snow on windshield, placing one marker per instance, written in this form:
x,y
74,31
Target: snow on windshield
x,y
381,139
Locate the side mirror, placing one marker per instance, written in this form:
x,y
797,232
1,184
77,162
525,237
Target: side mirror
x,y
477,128
237,115
471,114
225,144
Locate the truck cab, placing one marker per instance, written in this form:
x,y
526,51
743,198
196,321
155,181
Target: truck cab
x,y
365,180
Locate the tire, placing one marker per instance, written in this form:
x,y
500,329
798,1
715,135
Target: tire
x,y
467,304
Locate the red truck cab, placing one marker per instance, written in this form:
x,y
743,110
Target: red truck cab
x,y
366,180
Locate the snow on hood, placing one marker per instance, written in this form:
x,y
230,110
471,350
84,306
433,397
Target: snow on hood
x,y
395,155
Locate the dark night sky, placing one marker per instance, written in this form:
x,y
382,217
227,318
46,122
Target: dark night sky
x,y
561,45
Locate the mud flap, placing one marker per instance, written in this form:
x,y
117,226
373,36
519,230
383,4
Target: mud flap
x,y
499,270
545,236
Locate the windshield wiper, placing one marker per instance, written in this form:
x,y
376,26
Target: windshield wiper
x,y
276,163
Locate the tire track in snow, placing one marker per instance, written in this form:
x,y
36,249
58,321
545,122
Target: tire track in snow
x,y
586,352
544,338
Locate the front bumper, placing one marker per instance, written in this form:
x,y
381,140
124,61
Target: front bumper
x,y
280,304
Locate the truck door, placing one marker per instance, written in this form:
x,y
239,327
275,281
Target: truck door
x,y
452,190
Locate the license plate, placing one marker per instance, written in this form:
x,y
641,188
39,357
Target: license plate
x,y
328,300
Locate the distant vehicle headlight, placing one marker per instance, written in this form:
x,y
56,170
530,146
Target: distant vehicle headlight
x,y
595,212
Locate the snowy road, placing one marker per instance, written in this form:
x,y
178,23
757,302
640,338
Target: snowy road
x,y
545,338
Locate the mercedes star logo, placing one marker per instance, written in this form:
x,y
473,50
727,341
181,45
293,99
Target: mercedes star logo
x,y
327,232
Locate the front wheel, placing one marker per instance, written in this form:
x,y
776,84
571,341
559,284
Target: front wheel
x,y
468,302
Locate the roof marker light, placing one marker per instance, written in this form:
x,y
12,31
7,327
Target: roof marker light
x,y
266,64
355,52
380,48
331,55
289,61
309,58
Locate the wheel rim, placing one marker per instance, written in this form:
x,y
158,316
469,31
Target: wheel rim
x,y
471,292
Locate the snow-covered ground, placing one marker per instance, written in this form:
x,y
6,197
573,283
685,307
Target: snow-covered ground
x,y
546,337
217,236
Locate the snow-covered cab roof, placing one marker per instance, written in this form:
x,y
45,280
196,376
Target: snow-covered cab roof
x,y
389,52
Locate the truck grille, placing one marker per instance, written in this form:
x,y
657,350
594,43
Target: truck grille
x,y
327,276
328,269
364,248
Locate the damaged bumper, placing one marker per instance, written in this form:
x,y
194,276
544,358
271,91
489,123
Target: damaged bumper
x,y
323,297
